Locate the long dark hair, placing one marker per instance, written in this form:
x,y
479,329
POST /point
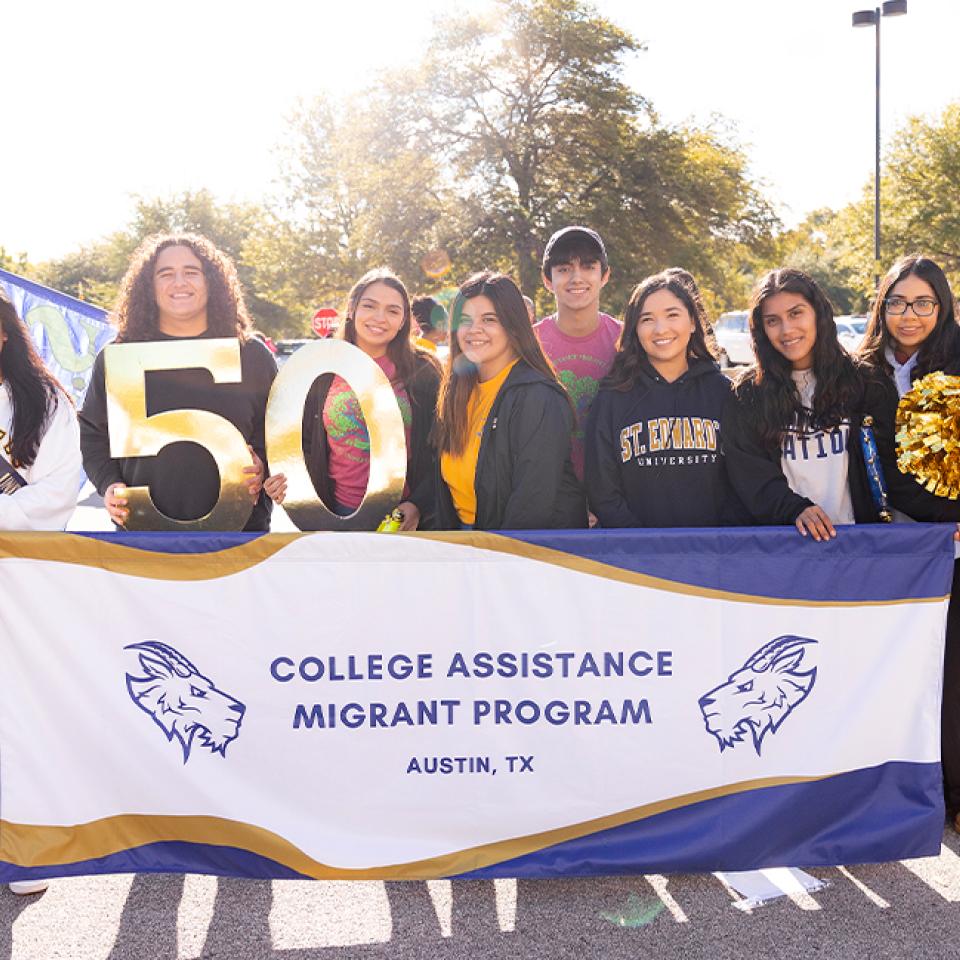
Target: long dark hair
x,y
33,388
631,357
136,314
401,350
942,345
461,376
767,386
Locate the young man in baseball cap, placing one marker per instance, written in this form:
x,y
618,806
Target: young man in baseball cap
x,y
579,340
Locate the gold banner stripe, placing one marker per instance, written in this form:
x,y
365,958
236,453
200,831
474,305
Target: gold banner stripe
x,y
133,562
27,845
558,558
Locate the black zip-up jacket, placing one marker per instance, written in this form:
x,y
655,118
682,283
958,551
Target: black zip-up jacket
x,y
422,391
758,477
653,452
183,480
524,478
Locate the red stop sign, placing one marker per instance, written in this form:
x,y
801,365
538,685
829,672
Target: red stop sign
x,y
324,321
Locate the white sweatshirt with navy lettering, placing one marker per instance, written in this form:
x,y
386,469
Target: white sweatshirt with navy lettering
x,y
815,462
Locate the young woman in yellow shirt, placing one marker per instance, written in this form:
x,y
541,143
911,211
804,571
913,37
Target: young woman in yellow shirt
x,y
504,420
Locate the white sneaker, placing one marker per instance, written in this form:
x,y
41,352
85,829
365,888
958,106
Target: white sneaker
x,y
24,888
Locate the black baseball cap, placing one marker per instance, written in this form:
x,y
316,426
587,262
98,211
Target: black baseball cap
x,y
574,233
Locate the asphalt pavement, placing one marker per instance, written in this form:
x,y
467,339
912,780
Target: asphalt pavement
x,y
894,910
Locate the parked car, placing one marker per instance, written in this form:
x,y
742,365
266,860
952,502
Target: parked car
x,y
733,336
287,348
850,331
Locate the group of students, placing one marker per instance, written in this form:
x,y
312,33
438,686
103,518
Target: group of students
x,y
577,419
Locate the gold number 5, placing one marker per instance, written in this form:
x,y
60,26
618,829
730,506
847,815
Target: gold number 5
x,y
134,434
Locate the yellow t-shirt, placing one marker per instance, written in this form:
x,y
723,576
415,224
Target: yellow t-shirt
x,y
460,472
426,344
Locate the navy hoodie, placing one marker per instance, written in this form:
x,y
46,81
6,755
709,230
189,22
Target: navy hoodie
x,y
653,452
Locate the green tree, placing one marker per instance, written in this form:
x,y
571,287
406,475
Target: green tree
x,y
15,263
920,211
94,271
356,197
810,247
518,122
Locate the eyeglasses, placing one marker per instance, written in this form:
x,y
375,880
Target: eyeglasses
x,y
922,306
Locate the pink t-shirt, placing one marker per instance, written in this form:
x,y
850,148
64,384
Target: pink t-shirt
x,y
348,441
581,363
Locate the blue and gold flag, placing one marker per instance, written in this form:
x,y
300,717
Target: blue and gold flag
x,y
68,333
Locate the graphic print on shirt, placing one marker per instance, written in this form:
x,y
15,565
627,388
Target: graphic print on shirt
x,y
582,390
804,445
815,463
670,441
345,424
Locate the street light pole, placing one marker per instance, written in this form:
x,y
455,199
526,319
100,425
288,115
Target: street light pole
x,y
871,18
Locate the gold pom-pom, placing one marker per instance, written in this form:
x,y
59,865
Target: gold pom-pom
x,y
928,434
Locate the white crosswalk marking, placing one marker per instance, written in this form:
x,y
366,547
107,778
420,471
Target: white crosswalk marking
x,y
659,884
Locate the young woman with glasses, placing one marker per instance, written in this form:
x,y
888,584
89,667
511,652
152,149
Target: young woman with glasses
x,y
912,332
913,329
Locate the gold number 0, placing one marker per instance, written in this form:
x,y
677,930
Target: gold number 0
x,y
134,434
378,403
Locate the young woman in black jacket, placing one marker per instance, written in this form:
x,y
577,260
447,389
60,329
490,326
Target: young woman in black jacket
x,y
336,443
913,331
505,421
791,428
653,451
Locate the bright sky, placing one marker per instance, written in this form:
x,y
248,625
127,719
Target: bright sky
x,y
107,100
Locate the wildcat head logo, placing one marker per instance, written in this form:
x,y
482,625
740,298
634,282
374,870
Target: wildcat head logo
x,y
759,696
182,701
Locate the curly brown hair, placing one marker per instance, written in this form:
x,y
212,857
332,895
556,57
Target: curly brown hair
x,y
136,315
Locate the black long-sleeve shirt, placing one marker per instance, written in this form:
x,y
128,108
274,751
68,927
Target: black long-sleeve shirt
x,y
758,477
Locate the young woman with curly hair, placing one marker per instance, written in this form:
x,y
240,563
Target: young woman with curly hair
x,y
653,454
336,442
791,429
181,287
505,422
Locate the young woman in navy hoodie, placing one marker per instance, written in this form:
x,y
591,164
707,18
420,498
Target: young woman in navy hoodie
x,y
653,451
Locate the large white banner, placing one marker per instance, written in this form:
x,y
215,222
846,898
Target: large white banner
x,y
368,705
